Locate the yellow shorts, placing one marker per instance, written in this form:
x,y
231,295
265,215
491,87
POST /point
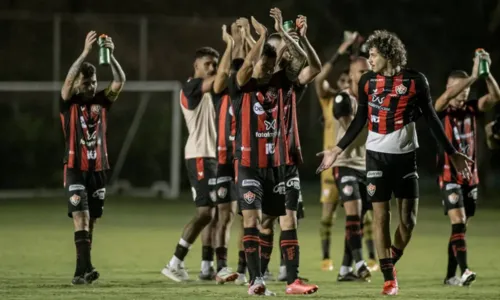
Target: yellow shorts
x,y
329,192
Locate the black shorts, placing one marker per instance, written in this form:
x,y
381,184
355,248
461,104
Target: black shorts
x,y
225,186
79,185
351,184
292,188
388,173
458,196
263,189
202,177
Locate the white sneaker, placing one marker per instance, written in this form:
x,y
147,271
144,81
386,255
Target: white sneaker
x,y
258,287
241,280
268,276
269,293
468,277
282,274
454,281
225,275
176,273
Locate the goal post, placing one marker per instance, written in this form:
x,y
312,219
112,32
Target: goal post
x,y
166,189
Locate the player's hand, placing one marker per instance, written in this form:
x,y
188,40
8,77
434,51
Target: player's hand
x,y
108,43
329,157
244,26
348,43
236,33
462,164
301,23
226,37
475,67
89,41
261,29
275,13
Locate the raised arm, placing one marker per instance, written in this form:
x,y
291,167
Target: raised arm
x,y
488,101
313,67
245,72
297,54
118,75
67,88
452,91
220,81
248,40
321,90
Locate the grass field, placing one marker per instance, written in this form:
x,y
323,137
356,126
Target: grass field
x,y
138,236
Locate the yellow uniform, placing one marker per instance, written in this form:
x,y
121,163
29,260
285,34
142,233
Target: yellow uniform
x,y
329,192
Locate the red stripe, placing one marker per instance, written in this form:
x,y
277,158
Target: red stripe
x,y
64,175
402,104
104,122
382,114
72,135
296,128
222,147
245,130
277,140
235,171
200,170
98,148
449,134
184,101
336,172
261,142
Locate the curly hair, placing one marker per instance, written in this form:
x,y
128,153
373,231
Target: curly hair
x,y
389,46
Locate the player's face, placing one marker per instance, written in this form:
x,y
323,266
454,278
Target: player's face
x,y
265,67
343,81
87,86
205,66
377,62
459,100
357,69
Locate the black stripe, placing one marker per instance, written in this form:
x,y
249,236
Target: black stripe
x,y
372,85
393,104
254,127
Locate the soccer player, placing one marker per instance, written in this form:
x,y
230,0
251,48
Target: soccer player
x,y
391,98
350,176
329,192
459,194
198,107
84,120
226,126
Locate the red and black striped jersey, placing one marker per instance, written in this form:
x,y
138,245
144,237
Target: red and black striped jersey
x,y
392,104
460,128
84,124
260,126
226,128
292,98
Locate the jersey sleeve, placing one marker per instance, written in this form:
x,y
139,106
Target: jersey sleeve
x,y
192,93
105,99
300,91
424,101
359,121
342,106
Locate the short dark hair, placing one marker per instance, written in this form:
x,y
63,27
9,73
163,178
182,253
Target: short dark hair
x,y
269,51
344,71
458,74
87,69
206,51
389,46
273,36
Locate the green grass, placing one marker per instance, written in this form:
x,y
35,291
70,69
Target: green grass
x,y
137,237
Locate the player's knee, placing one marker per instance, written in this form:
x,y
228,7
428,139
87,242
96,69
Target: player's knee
x,y
225,216
205,215
409,223
251,218
81,220
289,221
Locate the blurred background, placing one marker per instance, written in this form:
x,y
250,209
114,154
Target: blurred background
x,y
156,40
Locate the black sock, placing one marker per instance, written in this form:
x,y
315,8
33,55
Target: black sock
x,y
221,254
459,246
242,262
207,253
290,251
452,262
325,238
396,254
370,246
347,260
354,234
90,249
266,248
252,252
82,244
387,268
181,252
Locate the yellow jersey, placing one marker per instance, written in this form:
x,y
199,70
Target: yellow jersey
x,y
329,126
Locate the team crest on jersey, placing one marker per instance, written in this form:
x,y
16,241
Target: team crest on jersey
x,y
453,198
222,192
249,197
401,89
75,200
348,190
371,188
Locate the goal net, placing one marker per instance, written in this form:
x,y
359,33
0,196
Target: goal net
x,y
144,140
